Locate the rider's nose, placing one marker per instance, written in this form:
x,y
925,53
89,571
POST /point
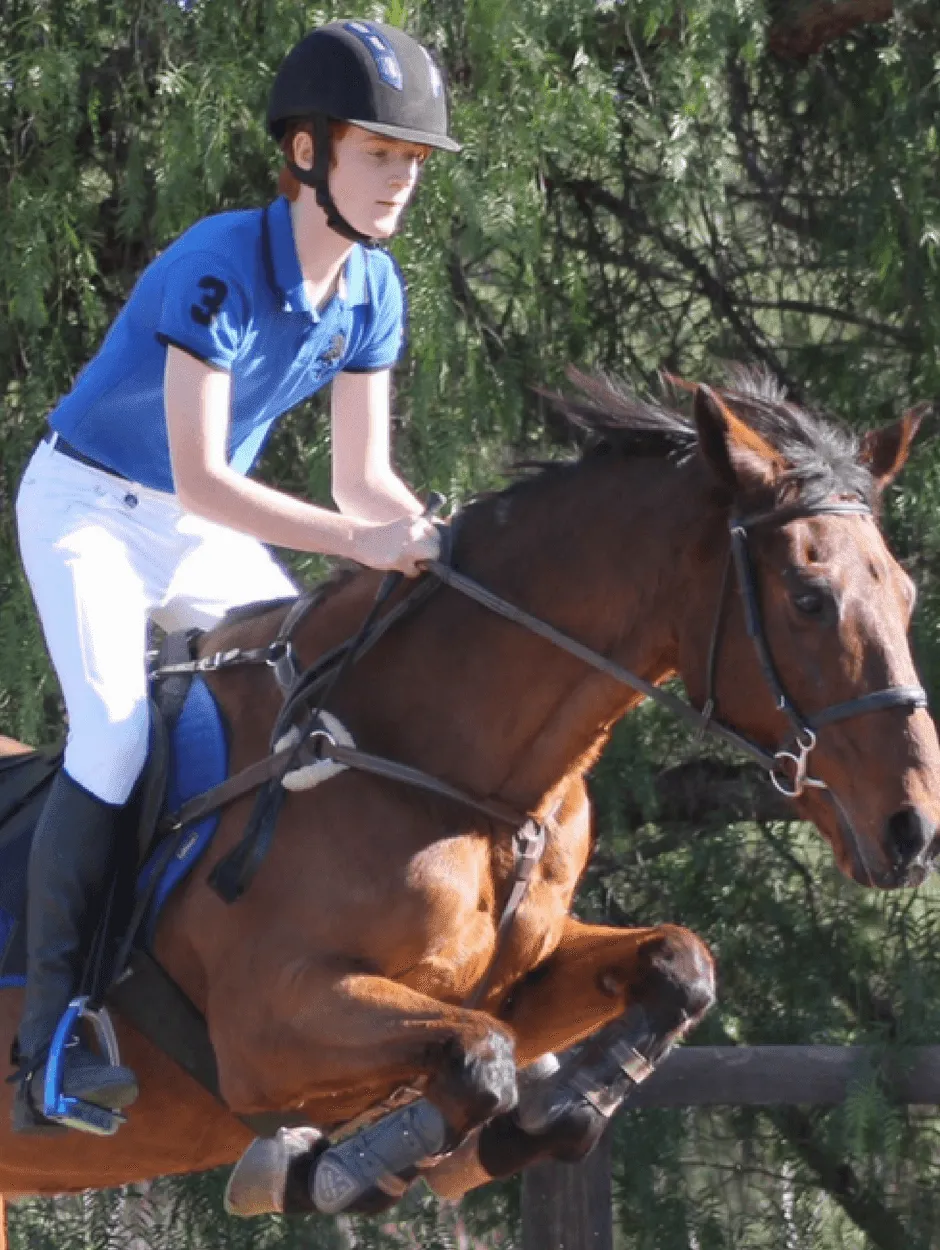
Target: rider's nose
x,y
910,833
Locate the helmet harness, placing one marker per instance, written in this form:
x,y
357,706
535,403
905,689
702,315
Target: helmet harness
x,y
366,73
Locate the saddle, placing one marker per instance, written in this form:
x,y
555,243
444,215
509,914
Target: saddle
x,y
188,754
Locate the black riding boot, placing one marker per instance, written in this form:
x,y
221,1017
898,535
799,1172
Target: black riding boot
x,y
70,868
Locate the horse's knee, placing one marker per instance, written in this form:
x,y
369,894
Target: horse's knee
x,y
473,1079
676,978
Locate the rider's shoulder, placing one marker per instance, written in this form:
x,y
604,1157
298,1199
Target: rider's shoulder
x,y
232,236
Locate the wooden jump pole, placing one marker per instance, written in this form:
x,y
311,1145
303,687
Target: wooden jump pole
x,y
768,1076
568,1206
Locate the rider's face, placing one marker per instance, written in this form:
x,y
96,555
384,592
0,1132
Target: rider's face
x,y
373,178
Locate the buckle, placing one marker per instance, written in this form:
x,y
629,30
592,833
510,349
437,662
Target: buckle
x,y
210,663
280,658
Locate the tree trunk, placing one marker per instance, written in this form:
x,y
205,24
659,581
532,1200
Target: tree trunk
x,y
567,1206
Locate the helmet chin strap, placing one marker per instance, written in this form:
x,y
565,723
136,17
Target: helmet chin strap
x,y
318,179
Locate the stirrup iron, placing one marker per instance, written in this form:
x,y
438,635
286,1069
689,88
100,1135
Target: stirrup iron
x,y
61,1108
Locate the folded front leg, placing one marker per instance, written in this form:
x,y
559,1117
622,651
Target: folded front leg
x,y
354,1039
631,994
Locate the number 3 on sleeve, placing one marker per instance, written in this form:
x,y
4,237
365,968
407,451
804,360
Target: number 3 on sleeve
x,y
207,309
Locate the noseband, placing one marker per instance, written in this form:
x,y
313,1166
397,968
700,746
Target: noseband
x,y
787,766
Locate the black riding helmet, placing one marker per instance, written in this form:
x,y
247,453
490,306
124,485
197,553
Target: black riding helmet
x,y
367,73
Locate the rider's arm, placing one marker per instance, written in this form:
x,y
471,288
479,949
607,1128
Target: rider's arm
x,y
198,404
364,482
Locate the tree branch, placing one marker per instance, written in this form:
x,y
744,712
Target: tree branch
x,y
588,194
822,23
840,1181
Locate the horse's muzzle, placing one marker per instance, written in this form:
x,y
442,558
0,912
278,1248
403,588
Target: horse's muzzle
x,y
912,843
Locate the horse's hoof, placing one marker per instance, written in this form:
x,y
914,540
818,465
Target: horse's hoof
x,y
259,1181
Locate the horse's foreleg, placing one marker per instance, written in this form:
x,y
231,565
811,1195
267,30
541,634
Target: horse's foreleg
x,y
641,988
360,1032
323,1040
596,972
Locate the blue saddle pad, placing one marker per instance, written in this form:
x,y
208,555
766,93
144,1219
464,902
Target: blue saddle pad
x,y
198,761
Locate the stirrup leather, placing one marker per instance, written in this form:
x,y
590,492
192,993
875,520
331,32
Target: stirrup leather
x,y
61,1108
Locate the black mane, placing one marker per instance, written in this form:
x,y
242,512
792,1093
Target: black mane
x,y
821,454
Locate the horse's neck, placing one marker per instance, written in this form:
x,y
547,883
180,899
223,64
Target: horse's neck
x,y
478,700
621,592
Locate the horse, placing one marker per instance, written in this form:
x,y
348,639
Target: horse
x,y
738,549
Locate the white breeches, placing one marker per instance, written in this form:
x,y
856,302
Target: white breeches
x,y
103,557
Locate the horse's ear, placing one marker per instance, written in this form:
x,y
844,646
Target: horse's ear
x,y
738,457
885,451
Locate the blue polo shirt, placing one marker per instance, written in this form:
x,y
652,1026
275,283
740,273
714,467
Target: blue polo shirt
x,y
229,291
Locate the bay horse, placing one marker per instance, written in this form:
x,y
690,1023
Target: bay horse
x,y
345,971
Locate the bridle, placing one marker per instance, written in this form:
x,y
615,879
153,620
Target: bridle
x,y
787,765
307,691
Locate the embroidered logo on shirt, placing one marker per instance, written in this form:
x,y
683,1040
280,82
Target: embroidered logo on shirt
x,y
207,310
335,350
386,62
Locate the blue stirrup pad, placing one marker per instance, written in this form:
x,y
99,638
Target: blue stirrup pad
x,y
198,761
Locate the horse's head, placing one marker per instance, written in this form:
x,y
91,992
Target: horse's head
x,y
820,666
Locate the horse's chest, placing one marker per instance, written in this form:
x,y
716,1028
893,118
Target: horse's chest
x,y
455,914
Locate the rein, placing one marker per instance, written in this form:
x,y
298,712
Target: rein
x,y
306,692
787,766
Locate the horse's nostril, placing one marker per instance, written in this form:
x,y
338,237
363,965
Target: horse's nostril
x,y
910,833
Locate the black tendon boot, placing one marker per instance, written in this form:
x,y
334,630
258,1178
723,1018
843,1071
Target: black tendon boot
x,y
70,868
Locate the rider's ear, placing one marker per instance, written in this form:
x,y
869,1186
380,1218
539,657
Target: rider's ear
x,y
885,451
737,456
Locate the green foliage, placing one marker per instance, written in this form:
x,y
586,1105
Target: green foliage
x,y
642,185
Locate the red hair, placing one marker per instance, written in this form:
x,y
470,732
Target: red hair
x,y
287,183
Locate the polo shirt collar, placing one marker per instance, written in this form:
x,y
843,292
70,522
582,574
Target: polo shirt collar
x,y
282,266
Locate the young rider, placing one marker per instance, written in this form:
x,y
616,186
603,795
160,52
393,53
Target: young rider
x,y
136,505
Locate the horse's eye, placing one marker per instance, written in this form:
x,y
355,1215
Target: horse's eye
x,y
810,602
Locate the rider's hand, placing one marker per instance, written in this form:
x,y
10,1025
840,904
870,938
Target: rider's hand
x,y
400,545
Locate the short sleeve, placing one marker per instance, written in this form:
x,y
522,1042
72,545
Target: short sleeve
x,y
204,309
382,345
